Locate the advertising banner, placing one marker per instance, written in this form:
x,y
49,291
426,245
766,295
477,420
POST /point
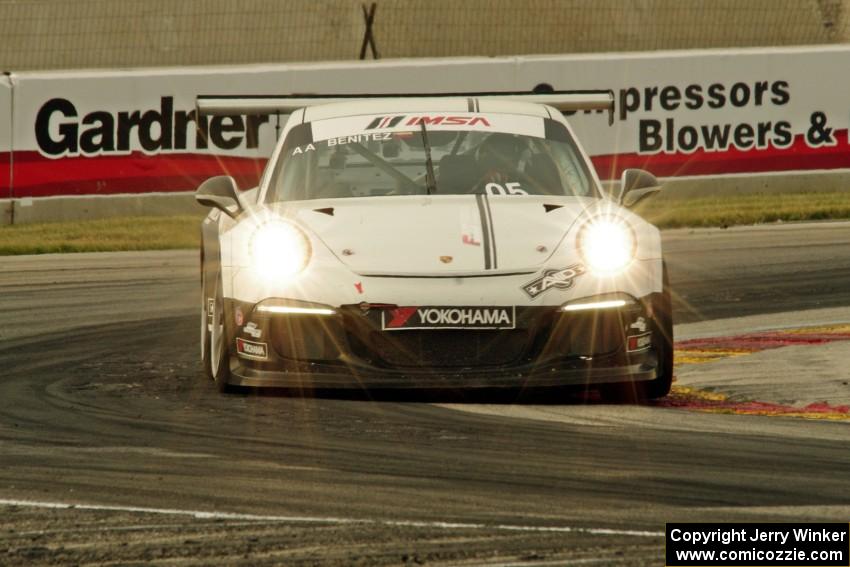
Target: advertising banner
x,y
5,137
713,112
689,113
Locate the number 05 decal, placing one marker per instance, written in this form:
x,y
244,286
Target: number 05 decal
x,y
512,188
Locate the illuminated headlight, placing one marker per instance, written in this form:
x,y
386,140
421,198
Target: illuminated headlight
x,y
279,250
607,244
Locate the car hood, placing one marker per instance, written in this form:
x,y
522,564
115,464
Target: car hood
x,y
439,235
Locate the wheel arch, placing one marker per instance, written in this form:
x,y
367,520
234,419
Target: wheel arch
x,y
210,259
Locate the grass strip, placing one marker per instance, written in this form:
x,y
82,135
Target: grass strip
x,y
758,208
103,235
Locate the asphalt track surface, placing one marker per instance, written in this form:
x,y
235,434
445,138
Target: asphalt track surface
x,y
102,404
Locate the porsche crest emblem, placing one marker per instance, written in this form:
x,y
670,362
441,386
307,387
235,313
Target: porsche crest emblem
x,y
446,259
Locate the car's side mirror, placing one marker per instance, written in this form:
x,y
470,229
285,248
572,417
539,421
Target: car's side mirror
x,y
222,193
635,185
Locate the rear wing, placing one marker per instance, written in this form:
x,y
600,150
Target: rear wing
x,y
564,101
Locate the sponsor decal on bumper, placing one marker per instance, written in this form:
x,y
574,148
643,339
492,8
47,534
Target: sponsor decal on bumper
x,y
252,329
639,325
636,343
251,349
427,317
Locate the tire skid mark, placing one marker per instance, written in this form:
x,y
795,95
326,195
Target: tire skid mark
x,y
703,351
330,520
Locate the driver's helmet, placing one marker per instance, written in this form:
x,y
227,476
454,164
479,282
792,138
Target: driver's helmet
x,y
500,157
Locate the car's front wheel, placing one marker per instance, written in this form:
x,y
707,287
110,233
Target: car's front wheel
x,y
214,349
662,340
662,343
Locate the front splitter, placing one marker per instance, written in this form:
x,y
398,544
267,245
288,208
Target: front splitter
x,y
471,379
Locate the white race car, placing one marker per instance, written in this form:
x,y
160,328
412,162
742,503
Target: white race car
x,y
432,243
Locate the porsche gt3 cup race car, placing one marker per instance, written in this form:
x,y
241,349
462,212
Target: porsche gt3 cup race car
x,y
440,242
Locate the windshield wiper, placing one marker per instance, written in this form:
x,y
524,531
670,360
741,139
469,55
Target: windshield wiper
x,y
430,179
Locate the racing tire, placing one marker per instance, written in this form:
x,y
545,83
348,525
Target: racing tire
x,y
216,355
206,322
662,341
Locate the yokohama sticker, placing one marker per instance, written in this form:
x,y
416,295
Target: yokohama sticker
x,y
250,349
408,318
560,279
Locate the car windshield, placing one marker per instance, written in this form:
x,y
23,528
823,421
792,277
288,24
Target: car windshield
x,y
467,157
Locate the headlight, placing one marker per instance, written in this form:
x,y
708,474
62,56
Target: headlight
x,y
279,250
607,244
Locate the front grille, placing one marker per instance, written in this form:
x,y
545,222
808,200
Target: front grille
x,y
542,334
448,348
585,334
306,337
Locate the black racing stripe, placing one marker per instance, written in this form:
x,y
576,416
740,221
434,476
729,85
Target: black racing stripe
x,y
470,104
492,231
485,229
477,105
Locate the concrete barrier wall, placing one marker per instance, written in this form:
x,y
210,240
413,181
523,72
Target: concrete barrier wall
x,y
711,118
59,209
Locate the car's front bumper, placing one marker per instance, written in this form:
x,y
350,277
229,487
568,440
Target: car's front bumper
x,y
349,350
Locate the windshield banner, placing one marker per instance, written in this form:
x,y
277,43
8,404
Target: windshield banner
x,y
340,129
